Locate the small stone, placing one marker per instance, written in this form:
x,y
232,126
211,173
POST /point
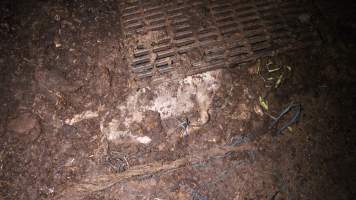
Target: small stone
x,y
57,18
57,44
304,18
258,110
23,123
161,147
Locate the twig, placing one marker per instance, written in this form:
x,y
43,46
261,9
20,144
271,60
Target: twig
x,y
97,182
294,118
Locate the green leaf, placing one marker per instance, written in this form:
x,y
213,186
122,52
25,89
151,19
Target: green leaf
x,y
273,70
278,82
290,129
263,103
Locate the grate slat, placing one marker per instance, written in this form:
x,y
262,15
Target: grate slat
x,y
226,33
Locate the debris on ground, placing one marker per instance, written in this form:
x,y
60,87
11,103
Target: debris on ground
x,y
127,99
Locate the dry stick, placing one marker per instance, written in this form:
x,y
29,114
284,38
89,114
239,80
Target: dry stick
x,y
102,181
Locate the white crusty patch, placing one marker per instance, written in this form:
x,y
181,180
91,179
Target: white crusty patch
x,y
143,140
176,99
171,99
82,116
113,133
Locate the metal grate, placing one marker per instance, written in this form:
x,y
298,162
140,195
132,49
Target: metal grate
x,y
209,34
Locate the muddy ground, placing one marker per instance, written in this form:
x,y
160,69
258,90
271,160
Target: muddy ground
x,y
74,125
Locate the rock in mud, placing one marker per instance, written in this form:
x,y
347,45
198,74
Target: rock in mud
x,y
25,123
54,80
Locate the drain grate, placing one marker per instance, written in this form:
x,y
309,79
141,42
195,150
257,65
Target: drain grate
x,y
164,37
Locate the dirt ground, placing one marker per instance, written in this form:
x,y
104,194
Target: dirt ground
x,y
75,126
